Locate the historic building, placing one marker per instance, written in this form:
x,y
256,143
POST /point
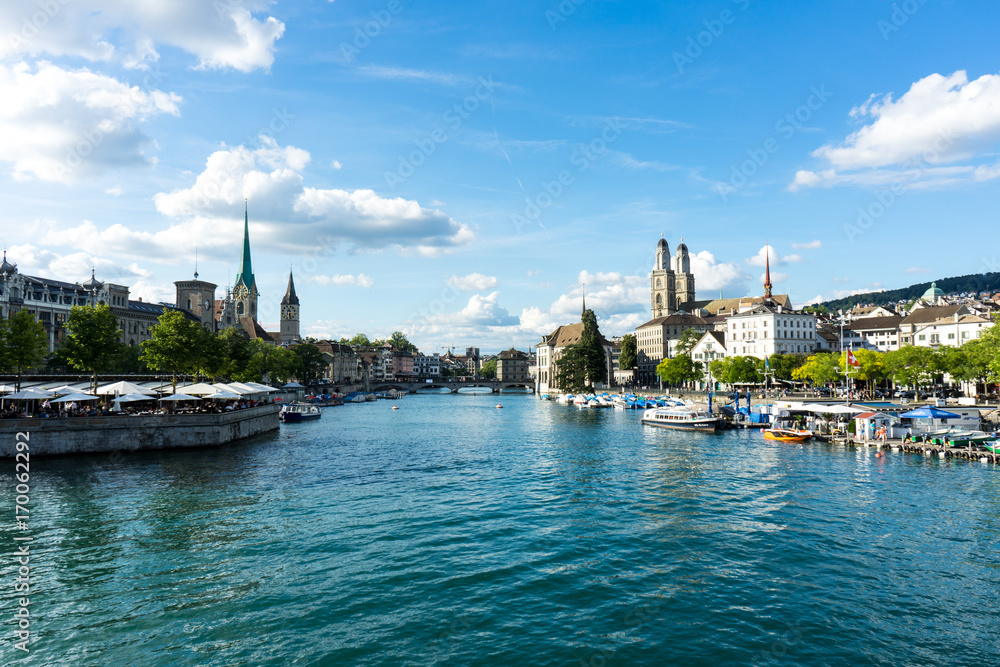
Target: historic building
x,y
512,366
290,314
671,282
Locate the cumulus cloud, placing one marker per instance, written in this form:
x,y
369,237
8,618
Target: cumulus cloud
x,y
223,34
360,280
288,215
711,275
769,253
62,125
811,245
940,121
474,282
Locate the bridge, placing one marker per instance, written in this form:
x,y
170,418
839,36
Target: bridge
x,y
495,386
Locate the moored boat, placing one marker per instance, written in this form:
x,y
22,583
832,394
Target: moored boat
x,y
681,419
299,412
787,434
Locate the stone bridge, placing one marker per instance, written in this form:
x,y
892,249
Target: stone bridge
x,y
496,386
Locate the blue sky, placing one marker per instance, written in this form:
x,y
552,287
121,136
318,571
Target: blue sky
x,y
457,173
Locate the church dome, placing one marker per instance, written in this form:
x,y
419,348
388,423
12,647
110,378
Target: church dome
x,y
932,293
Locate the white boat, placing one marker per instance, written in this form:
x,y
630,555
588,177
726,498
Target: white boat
x,y
564,399
299,412
580,400
680,418
619,403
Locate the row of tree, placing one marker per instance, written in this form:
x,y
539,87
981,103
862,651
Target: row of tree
x,y
179,346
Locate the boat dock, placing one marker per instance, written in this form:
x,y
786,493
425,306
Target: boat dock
x,y
916,447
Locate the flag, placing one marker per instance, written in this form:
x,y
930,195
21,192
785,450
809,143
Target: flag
x,y
852,360
767,363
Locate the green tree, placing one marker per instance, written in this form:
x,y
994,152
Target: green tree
x,y
629,355
738,370
93,340
360,341
131,360
178,345
571,369
591,345
399,341
819,369
871,366
783,365
311,364
234,355
489,369
679,370
686,342
23,344
912,365
268,363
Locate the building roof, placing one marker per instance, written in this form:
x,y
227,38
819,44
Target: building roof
x,y
290,299
676,319
568,334
254,330
513,355
245,275
933,292
876,323
716,306
930,314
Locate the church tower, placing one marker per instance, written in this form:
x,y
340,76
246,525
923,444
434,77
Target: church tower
x,y
685,279
662,282
245,287
290,314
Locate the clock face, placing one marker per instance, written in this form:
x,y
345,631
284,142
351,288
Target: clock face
x,y
241,291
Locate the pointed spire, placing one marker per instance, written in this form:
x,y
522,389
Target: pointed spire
x,y
290,299
767,272
246,265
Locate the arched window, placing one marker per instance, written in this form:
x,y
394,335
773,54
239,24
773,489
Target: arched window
x,y
239,308
659,301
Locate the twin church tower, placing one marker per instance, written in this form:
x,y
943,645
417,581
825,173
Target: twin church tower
x,y
671,282
239,307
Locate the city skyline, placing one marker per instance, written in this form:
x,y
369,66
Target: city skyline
x,y
459,176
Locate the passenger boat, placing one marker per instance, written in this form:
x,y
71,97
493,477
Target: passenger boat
x,y
681,419
299,412
787,434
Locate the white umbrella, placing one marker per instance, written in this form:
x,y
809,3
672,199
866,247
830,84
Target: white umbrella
x,y
262,387
845,410
241,388
224,395
293,385
180,397
231,388
200,389
4,388
32,393
129,398
123,387
69,398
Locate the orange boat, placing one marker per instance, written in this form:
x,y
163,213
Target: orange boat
x,y
787,435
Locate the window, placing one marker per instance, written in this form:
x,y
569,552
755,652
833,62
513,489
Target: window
x,y
921,337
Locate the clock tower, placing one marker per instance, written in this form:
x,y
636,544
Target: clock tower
x,y
290,314
245,287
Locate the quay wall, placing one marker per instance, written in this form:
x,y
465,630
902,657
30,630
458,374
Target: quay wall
x,y
95,435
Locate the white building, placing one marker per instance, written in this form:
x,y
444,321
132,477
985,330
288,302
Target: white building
x,y
765,329
657,339
427,365
951,332
551,348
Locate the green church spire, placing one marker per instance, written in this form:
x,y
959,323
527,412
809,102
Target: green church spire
x,y
246,266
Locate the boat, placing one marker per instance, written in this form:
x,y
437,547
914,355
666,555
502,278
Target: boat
x,y
681,419
787,434
299,412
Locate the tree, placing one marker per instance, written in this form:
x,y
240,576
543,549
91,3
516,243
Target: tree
x,y
738,370
399,341
311,362
783,365
871,366
93,342
178,345
591,345
819,369
571,371
912,365
235,354
267,362
23,343
360,341
679,370
687,340
629,356
489,369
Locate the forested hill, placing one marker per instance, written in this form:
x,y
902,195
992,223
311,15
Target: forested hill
x,y
977,282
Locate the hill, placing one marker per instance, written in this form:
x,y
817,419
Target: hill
x,y
977,282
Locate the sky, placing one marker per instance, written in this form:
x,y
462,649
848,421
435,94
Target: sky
x,y
459,173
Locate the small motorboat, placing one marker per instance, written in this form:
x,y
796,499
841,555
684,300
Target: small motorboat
x,y
787,434
299,412
499,406
395,407
681,419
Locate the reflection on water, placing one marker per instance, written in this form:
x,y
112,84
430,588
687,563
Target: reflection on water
x,y
450,531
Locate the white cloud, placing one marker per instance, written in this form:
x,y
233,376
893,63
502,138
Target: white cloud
x,y
474,282
712,276
811,245
401,73
917,270
941,120
336,165
360,280
287,215
62,125
221,34
769,253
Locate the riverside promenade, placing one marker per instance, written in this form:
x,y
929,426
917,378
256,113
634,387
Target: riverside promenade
x,y
117,433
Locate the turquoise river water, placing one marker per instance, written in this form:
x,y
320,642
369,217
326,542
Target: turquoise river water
x,y
450,532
